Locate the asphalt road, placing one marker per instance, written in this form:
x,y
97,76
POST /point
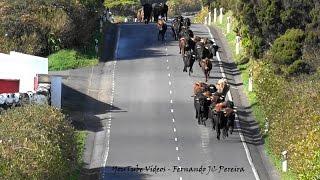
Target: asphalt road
x,y
151,126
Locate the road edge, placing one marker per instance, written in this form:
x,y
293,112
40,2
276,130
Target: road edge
x,y
269,171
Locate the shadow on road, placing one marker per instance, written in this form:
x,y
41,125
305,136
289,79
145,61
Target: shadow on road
x,y
83,109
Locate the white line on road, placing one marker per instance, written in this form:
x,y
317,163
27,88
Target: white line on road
x,y
167,60
172,120
256,175
178,158
169,74
174,130
175,139
171,110
177,148
171,101
170,92
169,83
108,133
168,67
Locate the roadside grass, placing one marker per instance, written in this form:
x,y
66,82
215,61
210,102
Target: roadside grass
x,y
70,59
76,58
255,106
80,137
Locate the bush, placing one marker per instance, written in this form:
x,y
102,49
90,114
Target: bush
x,y
32,30
243,60
36,142
200,16
292,108
288,47
299,67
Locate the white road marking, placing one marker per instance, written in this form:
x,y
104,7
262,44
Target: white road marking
x,y
180,178
171,101
169,74
171,110
168,67
167,60
169,83
256,175
170,92
174,130
177,148
172,120
175,139
178,158
108,132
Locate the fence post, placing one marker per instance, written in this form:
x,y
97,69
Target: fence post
x,y
209,19
97,46
215,15
101,25
250,87
228,24
238,38
284,161
206,20
221,15
266,126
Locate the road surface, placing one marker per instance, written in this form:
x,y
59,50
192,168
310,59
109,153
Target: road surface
x,y
152,132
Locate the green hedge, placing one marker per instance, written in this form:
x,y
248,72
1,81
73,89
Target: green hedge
x,y
36,142
292,108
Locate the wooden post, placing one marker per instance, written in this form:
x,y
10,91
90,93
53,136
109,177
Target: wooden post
x,y
228,24
238,39
215,15
250,86
284,161
221,15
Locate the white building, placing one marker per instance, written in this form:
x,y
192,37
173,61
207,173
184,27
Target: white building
x,y
18,72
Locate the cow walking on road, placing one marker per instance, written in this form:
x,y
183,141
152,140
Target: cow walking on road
x,y
206,67
162,26
188,60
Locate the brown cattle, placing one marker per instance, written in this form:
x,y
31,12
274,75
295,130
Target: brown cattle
x,y
206,67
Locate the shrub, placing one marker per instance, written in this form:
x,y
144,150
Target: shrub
x,y
200,17
288,47
292,108
36,142
243,60
299,67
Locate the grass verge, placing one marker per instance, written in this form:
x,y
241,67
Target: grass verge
x,y
76,58
70,59
80,137
255,106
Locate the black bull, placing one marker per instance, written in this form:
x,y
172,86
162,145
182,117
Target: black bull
x,y
201,105
160,10
147,10
188,60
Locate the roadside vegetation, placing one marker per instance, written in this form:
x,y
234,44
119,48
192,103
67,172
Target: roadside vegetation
x,y
281,41
38,142
44,28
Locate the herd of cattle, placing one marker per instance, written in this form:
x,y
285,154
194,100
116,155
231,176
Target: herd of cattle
x,y
154,10
209,99
41,96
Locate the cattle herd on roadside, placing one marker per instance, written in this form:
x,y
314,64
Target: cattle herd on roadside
x,y
209,99
41,96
